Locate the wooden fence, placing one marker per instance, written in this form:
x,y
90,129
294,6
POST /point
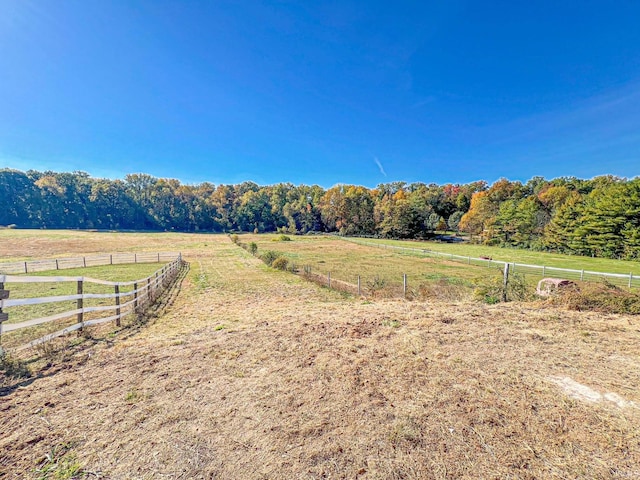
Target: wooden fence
x,y
141,292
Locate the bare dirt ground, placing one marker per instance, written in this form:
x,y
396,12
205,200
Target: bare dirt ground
x,y
256,374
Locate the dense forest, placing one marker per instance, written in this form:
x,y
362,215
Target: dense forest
x,y
597,217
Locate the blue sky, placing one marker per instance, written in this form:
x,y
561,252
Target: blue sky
x,y
321,92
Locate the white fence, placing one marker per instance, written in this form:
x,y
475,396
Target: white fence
x,y
142,292
32,266
626,280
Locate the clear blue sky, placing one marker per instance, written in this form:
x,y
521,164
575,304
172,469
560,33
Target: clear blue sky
x,y
321,92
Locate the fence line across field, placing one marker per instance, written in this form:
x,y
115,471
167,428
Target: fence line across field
x,y
144,292
32,266
620,279
343,285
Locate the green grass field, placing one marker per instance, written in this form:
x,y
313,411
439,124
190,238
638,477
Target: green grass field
x,y
346,259
519,256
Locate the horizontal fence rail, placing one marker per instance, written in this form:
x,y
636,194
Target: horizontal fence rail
x,y
136,294
32,266
626,280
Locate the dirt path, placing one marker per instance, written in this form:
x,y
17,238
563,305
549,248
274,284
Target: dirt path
x,y
256,374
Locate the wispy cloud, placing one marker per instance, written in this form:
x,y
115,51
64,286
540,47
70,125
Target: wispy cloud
x,y
375,159
582,138
593,120
423,102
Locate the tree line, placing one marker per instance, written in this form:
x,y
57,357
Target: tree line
x,y
597,217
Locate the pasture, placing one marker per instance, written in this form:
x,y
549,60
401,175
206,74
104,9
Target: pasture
x,y
429,274
256,373
522,256
346,260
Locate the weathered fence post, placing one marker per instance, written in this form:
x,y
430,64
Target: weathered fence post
x,y
329,279
110,259
135,258
4,294
84,262
359,294
80,302
543,268
505,282
135,295
25,267
404,284
57,266
158,257
582,275
118,305
630,279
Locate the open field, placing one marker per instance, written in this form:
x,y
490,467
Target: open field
x,y
347,260
254,373
34,244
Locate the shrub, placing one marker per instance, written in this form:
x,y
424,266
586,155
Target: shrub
x,y
282,238
280,263
235,239
376,284
269,256
492,289
253,248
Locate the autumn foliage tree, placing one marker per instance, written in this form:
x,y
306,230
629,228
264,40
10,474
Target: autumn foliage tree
x,y
599,217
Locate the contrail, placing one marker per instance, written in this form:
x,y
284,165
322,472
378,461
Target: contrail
x,y
375,159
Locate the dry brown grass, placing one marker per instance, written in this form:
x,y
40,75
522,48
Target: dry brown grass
x,y
26,244
600,297
254,373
